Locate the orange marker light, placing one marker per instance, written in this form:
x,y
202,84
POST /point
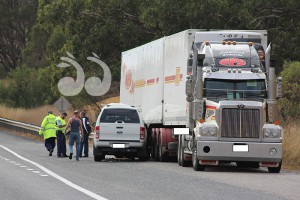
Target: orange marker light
x,y
229,42
224,42
201,121
234,42
276,122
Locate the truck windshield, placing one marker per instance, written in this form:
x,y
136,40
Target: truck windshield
x,y
124,115
217,89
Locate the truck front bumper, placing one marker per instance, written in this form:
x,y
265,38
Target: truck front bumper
x,y
224,151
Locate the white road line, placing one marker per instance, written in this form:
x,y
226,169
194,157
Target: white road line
x,y
36,172
30,169
17,164
23,166
44,175
54,175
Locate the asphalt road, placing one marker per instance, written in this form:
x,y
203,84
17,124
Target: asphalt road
x,y
27,172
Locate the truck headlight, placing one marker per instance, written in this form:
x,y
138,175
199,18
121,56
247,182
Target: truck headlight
x,y
272,133
208,131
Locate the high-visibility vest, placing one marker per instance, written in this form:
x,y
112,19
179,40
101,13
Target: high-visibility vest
x,y
62,122
48,127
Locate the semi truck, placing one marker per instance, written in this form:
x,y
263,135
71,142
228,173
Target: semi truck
x,y
207,98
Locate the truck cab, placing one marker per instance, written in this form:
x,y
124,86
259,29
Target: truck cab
x,y
232,98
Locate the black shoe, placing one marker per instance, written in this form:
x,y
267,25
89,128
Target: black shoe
x,y
50,152
70,157
65,156
60,156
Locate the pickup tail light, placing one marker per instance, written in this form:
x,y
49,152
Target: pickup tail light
x,y
97,132
142,133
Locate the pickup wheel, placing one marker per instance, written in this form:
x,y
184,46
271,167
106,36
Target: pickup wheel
x,y
275,169
98,158
195,160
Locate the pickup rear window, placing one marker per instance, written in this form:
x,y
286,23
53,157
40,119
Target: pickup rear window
x,y
120,115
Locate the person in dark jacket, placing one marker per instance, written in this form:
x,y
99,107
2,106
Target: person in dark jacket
x,y
86,133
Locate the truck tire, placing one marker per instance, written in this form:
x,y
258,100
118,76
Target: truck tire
x,y
275,169
179,158
195,160
161,155
184,163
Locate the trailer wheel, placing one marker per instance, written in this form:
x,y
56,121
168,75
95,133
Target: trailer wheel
x,y
156,154
275,169
195,160
161,155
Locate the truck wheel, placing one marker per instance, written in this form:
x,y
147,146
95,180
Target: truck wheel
x,y
275,169
162,157
184,163
195,160
179,158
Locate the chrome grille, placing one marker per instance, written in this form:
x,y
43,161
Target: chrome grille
x,y
240,123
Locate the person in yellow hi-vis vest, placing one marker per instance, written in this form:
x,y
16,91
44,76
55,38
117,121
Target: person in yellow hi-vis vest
x,y
48,129
60,135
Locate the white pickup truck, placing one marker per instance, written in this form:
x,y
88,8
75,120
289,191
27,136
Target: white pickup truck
x,y
120,131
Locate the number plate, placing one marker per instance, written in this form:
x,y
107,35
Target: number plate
x,y
118,146
240,148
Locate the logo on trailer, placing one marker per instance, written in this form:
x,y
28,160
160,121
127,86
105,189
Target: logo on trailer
x,y
232,62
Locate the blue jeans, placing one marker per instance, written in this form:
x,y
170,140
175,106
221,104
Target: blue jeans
x,y
75,136
84,144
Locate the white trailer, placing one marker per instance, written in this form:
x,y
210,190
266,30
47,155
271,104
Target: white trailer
x,y
154,79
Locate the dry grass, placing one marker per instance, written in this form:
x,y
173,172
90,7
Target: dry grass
x,y
35,116
291,140
291,146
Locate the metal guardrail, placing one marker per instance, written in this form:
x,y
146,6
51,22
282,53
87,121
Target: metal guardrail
x,y
19,126
24,128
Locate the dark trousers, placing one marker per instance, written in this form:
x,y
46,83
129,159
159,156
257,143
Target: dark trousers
x,y
50,143
84,144
61,143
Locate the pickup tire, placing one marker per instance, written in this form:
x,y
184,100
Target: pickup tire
x,y
97,154
275,169
98,158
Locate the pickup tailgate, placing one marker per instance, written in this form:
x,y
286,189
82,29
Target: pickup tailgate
x,y
120,125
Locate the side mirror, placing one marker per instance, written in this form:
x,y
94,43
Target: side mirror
x,y
200,59
279,90
189,89
198,109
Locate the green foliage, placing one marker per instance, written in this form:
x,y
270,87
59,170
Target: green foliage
x,y
26,88
108,27
290,104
